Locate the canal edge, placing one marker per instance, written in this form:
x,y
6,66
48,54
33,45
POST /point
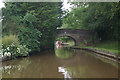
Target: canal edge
x,y
100,52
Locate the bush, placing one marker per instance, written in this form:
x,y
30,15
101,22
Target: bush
x,y
23,50
12,48
9,40
30,37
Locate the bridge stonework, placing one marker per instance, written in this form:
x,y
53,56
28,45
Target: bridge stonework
x,y
78,35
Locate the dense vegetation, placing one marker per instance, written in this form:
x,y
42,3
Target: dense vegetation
x,y
100,17
33,23
12,48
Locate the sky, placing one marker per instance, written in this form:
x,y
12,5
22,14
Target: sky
x,y
1,4
66,5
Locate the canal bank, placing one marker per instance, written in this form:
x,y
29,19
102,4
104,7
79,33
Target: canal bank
x,y
106,54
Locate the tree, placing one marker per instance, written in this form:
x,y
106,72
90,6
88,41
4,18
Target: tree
x,y
42,16
99,17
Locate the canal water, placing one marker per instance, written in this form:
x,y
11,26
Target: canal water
x,y
61,63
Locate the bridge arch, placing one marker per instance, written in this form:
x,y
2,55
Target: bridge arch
x,y
78,35
72,37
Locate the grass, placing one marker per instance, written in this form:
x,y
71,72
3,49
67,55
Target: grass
x,y
110,46
8,40
70,42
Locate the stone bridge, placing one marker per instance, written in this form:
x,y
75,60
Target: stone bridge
x,y
78,35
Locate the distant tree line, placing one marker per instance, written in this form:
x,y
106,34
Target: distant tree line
x,y
100,17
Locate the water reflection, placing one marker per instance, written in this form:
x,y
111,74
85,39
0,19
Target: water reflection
x,y
83,65
11,69
64,52
64,72
68,64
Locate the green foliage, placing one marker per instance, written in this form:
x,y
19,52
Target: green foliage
x,y
29,19
23,50
99,17
41,17
109,46
8,40
82,45
70,42
73,20
30,37
102,20
63,39
12,48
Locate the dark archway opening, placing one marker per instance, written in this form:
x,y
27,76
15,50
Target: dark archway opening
x,y
66,40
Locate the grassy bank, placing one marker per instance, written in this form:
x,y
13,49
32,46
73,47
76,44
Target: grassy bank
x,y
110,46
70,42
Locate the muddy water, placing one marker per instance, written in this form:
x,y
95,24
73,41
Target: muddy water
x,y
63,63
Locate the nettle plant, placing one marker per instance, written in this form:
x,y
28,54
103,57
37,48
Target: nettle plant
x,y
12,48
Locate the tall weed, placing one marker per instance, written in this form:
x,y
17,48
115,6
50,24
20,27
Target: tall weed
x,y
8,40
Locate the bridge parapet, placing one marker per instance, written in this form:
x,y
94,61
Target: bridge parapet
x,y
76,31
78,35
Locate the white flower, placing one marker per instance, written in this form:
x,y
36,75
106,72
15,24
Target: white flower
x,y
12,44
5,54
8,54
8,48
18,50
